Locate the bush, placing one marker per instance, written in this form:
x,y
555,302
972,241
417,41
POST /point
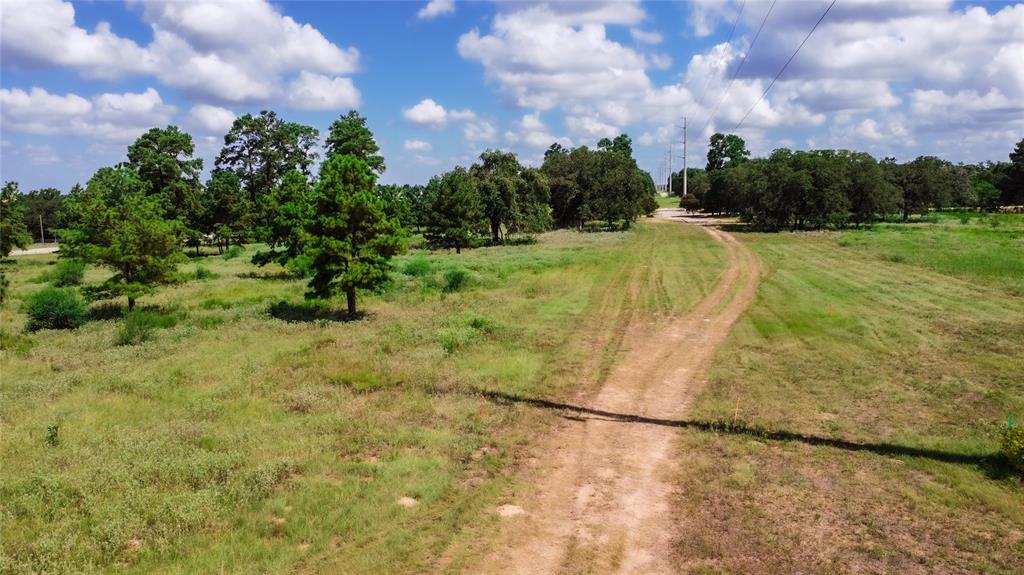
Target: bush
x,y
138,326
202,273
68,272
233,252
55,308
455,280
416,267
1013,446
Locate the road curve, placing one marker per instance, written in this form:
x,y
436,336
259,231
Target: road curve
x,y
602,503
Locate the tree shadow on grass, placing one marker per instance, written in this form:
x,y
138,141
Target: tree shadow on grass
x,y
107,310
280,275
994,465
309,312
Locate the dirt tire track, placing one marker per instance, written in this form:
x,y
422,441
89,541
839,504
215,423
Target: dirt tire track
x,y
602,499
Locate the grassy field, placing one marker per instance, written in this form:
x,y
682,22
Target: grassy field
x,y
884,361
258,435
668,201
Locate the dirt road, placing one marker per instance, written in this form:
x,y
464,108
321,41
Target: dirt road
x,y
34,251
602,499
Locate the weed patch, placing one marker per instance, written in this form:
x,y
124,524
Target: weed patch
x,y
139,326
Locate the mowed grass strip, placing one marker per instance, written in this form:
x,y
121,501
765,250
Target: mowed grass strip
x,y
253,433
906,361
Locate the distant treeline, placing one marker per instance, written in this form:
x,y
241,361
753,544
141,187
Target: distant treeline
x,y
338,227
837,188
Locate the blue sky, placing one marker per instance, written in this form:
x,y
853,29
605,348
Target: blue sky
x,y
440,82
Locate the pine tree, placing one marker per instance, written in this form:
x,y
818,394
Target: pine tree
x,y
350,240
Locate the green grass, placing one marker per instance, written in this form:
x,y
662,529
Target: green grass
x,y
901,337
668,202
985,248
254,433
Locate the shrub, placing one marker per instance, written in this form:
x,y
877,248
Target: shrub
x,y
5,286
233,252
55,308
455,280
68,272
138,326
202,273
416,267
1013,446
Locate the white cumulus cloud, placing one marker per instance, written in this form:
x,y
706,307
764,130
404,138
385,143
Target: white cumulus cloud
x,y
212,119
319,92
436,8
242,51
110,116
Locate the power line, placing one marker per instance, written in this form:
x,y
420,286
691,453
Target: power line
x,y
740,67
784,66
735,22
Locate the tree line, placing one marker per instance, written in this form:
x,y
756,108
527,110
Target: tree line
x,y
836,188
333,224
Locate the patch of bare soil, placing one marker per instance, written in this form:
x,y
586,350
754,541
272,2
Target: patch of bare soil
x,y
602,500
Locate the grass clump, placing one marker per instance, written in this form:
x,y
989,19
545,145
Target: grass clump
x,y
233,252
455,280
68,272
1013,446
139,325
201,273
55,308
417,267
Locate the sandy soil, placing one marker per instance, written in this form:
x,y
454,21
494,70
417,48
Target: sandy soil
x,y
601,503
33,251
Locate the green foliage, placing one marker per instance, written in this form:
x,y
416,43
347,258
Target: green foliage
x,y
227,210
201,273
233,252
1013,446
13,233
726,151
5,286
456,211
287,210
42,206
622,145
140,325
588,185
53,434
350,239
261,149
67,272
162,157
417,267
349,136
1013,190
55,308
514,198
398,202
455,279
114,223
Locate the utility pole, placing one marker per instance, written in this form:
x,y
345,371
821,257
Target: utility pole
x,y
42,236
670,169
684,155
